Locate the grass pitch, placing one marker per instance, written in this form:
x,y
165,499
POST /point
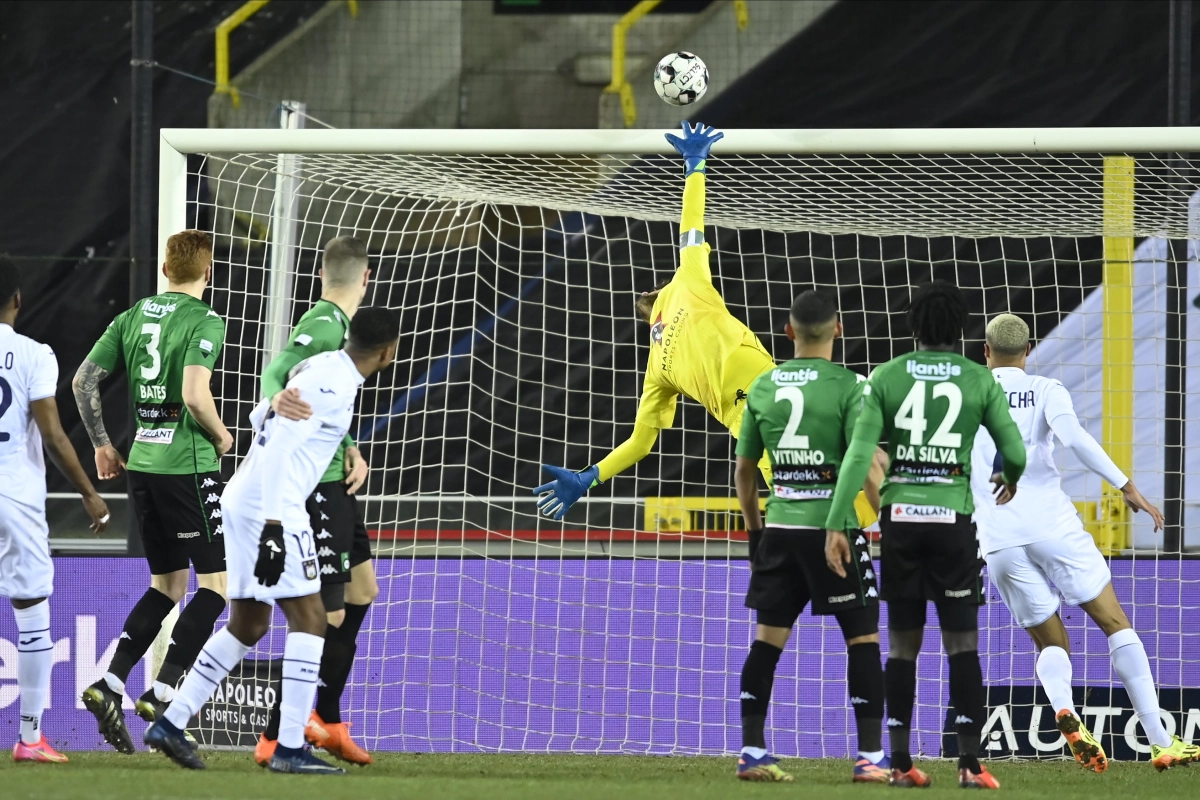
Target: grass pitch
x,y
146,776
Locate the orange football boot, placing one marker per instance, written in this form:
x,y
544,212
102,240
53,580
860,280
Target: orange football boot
x,y
334,738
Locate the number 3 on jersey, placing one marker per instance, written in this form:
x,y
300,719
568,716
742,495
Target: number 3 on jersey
x,y
911,415
155,331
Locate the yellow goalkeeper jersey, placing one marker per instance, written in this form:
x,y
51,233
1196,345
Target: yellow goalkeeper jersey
x,y
697,347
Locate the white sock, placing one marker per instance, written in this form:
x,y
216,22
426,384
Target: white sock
x,y
1054,671
35,658
874,758
754,752
114,683
1130,661
220,655
301,663
164,693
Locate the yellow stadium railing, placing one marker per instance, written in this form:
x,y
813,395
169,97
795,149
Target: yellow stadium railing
x,y
227,25
619,85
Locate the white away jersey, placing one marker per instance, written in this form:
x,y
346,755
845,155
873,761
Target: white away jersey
x,y
28,372
288,458
1030,517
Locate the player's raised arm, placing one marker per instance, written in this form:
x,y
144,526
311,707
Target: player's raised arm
x,y
694,146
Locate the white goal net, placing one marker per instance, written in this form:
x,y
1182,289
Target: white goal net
x,y
622,629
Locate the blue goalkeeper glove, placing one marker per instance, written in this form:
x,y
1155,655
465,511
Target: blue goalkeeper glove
x,y
694,145
560,494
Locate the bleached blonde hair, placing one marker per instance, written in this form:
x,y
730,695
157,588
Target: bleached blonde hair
x,y
1008,335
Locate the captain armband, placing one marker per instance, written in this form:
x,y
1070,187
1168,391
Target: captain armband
x,y
691,238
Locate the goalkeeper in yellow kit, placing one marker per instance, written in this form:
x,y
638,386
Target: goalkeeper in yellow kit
x,y
697,348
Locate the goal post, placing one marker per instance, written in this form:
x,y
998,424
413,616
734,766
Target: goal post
x,y
513,257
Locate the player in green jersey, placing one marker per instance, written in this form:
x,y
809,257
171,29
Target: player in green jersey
x,y
169,344
929,405
803,412
348,584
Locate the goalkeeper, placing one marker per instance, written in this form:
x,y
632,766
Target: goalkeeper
x,y
697,348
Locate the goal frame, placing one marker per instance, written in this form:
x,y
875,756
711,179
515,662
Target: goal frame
x,y
1118,205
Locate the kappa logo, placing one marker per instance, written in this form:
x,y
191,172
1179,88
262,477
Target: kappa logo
x,y
324,516
320,498
213,498
188,535
871,592
859,701
841,598
895,723
324,534
328,570
208,482
861,541
962,719
217,531
216,514
747,696
325,552
959,593
869,574
656,330
125,635
864,556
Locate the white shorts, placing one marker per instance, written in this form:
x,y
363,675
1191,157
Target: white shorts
x,y
1028,575
26,571
301,572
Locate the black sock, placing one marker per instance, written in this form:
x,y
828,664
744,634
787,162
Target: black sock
x,y
272,731
966,698
758,676
141,626
901,681
337,660
864,679
192,631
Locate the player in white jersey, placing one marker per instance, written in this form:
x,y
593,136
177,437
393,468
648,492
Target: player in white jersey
x,y
1035,544
269,544
29,417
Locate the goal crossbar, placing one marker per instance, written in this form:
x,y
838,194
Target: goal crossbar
x,y
626,142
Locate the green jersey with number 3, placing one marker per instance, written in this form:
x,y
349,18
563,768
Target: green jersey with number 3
x,y
803,413
929,405
155,340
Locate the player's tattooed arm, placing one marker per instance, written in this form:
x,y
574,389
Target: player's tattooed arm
x,y
86,387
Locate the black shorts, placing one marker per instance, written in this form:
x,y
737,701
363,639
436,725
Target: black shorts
x,y
179,520
341,536
927,560
789,570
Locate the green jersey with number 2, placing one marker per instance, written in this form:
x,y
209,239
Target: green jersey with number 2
x,y
929,405
803,413
155,340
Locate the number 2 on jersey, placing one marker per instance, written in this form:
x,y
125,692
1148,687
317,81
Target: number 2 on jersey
x,y
5,402
155,330
790,439
911,415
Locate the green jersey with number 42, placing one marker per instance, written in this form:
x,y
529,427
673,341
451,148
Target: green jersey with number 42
x,y
929,405
803,413
155,340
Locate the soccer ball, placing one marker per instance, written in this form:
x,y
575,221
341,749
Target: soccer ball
x,y
681,78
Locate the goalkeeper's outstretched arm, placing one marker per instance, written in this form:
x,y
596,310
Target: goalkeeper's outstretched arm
x,y
560,494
